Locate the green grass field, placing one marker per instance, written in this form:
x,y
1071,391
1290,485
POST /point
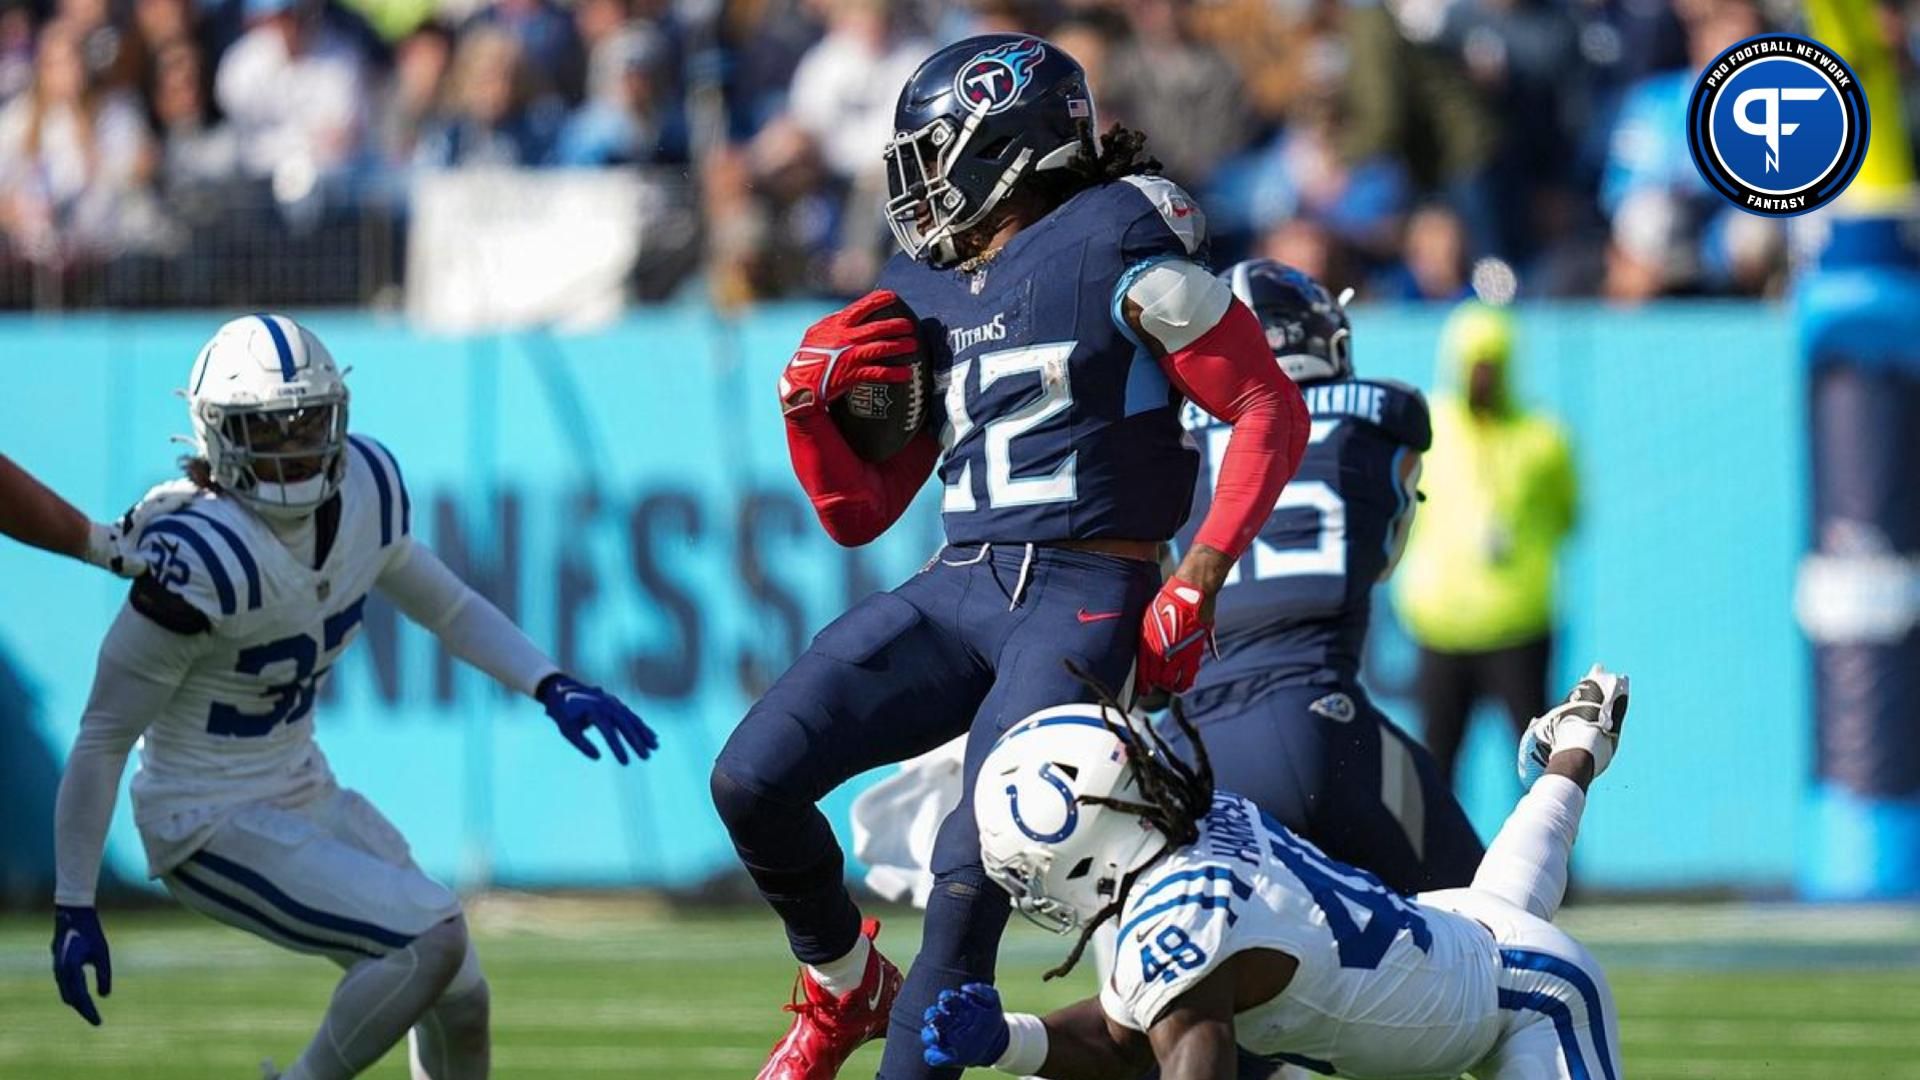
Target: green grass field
x,y
586,988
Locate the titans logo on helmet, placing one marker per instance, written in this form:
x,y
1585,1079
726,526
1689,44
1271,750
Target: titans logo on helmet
x,y
1778,125
997,76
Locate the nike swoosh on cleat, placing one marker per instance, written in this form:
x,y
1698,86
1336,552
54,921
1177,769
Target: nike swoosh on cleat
x,y
1089,616
879,988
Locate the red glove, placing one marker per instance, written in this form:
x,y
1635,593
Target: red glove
x,y
843,349
1173,637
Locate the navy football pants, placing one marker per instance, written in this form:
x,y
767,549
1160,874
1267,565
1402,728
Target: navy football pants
x,y
1341,775
961,646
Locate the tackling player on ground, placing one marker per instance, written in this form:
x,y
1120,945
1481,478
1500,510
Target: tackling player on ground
x,y
1065,310
1235,932
258,577
1285,719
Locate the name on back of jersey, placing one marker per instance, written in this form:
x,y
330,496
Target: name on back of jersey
x,y
1364,401
1332,400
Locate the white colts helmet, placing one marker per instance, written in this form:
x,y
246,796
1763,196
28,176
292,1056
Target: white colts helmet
x,y
1061,860
270,414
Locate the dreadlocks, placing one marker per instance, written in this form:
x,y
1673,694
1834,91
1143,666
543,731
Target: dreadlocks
x,y
1175,796
1120,152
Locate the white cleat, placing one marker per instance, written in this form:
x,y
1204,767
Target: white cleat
x,y
1589,720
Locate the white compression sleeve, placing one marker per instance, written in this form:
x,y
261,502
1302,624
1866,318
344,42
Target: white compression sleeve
x,y
1526,865
451,1040
377,1001
141,665
471,628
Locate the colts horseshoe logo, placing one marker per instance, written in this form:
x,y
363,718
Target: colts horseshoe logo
x,y
1066,794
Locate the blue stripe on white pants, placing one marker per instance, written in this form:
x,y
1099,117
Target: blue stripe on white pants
x,y
271,893
1582,982
248,892
1562,1016
203,897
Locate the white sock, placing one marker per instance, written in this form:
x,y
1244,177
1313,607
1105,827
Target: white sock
x,y
1526,865
377,1002
842,977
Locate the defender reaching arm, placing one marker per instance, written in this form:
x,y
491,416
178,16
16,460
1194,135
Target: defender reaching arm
x,y
31,513
1191,1039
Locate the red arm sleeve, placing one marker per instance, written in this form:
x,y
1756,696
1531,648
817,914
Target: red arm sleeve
x,y
856,500
1229,371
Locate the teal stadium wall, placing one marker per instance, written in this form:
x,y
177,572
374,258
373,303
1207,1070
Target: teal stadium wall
x,y
625,495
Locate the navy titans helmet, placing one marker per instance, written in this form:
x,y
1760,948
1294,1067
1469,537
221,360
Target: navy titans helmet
x,y
975,119
1307,327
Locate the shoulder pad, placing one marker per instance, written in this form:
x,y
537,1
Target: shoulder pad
x,y
1404,414
201,560
389,487
1394,409
163,499
1170,222
1175,932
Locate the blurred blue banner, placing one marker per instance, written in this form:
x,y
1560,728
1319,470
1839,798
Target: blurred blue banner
x,y
626,497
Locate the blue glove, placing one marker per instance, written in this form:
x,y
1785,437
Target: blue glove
x,y
77,942
964,1027
576,707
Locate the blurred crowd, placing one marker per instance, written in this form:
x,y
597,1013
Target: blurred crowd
x,y
1414,149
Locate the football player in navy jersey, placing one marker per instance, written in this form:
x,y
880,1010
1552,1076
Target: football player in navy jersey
x,y
1063,305
1281,709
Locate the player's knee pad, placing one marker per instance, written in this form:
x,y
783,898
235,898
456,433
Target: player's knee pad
x,y
469,978
739,806
754,819
748,808
443,950
788,847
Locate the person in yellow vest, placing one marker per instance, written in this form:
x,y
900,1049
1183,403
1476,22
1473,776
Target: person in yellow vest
x,y
1476,587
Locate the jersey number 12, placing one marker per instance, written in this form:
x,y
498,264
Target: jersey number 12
x,y
1048,361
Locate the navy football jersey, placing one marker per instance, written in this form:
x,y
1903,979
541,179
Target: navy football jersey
x,y
1297,603
1056,423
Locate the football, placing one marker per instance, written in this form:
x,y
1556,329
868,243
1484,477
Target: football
x,y
879,419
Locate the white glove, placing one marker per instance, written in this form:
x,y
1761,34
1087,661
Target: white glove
x,y
115,547
111,547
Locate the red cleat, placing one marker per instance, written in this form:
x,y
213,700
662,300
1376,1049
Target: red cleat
x,y
827,1030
